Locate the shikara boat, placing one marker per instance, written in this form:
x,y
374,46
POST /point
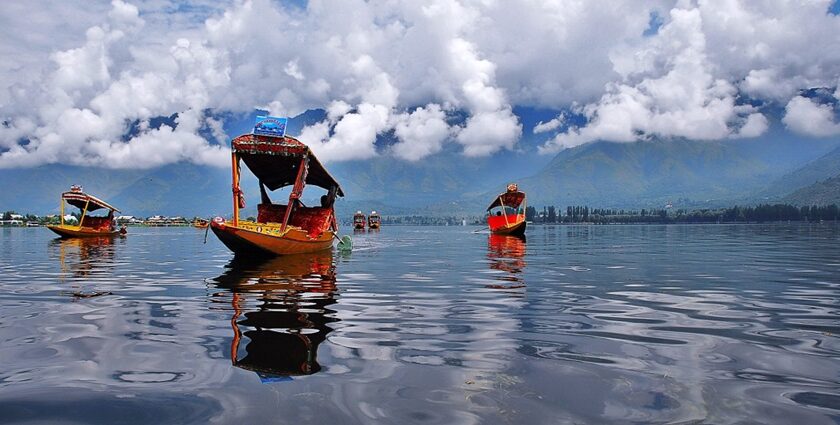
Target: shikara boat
x,y
374,220
200,223
294,228
359,221
88,226
507,212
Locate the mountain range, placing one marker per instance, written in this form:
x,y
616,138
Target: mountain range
x,y
648,174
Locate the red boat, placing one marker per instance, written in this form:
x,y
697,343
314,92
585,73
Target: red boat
x,y
359,221
507,212
293,228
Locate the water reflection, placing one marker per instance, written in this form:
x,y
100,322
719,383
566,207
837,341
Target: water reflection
x,y
82,262
280,307
507,254
81,257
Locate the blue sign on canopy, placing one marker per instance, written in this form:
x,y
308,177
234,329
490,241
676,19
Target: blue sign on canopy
x,y
270,126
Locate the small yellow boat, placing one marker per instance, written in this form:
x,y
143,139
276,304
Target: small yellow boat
x,y
88,226
200,223
293,228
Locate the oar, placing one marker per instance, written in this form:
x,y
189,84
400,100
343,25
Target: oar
x,y
206,230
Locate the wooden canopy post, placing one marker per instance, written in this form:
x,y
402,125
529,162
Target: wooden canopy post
x,y
235,187
297,189
84,213
504,212
61,209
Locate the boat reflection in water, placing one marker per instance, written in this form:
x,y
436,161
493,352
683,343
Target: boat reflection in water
x,y
82,258
507,253
280,307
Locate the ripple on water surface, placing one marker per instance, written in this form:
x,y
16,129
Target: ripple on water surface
x,y
575,324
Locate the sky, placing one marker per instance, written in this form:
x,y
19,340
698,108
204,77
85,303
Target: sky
x,y
83,82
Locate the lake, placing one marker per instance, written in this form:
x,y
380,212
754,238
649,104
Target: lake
x,y
427,325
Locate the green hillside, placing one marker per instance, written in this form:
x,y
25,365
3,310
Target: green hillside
x,y
812,173
648,173
826,192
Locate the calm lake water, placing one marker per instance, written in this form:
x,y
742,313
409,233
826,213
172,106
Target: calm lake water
x,y
428,325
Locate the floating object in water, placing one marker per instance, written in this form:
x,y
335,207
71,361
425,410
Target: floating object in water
x,y
516,286
510,218
80,294
345,244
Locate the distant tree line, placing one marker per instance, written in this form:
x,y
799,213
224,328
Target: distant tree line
x,y
736,214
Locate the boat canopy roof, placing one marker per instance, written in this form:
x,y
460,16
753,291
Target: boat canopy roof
x,y
509,199
78,199
275,161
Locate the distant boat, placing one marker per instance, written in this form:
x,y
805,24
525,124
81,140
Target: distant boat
x,y
200,223
507,212
359,221
374,220
88,226
293,228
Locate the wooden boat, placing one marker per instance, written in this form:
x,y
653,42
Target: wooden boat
x,y
293,228
88,226
374,220
200,223
359,221
507,212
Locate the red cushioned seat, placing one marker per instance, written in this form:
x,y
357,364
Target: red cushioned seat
x,y
270,213
314,220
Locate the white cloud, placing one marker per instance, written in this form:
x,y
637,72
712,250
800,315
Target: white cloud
x,y
374,64
421,133
550,125
807,117
670,90
755,125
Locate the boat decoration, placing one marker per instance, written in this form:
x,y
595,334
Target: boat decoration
x,y
293,228
374,220
507,212
359,221
87,225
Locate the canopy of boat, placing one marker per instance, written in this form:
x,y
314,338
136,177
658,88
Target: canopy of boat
x,y
275,161
509,199
78,199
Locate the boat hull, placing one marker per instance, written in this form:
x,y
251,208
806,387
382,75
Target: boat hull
x,y
253,242
83,232
513,229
